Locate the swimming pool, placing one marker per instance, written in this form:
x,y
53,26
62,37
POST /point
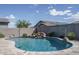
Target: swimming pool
x,y
41,44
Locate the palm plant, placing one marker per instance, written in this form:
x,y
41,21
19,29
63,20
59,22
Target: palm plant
x,y
22,24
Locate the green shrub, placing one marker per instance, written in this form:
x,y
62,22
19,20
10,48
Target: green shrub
x,y
51,34
71,36
1,35
24,35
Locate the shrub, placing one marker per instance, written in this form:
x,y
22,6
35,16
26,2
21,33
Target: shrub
x,y
51,34
1,35
24,35
71,35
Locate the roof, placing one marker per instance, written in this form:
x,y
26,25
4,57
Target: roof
x,y
75,22
49,23
4,20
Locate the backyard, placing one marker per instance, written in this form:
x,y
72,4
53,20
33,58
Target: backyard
x,y
39,30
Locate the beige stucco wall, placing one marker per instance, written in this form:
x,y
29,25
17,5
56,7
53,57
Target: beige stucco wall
x,y
15,31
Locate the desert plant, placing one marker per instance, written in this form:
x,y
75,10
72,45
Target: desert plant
x,y
24,35
51,34
71,36
2,35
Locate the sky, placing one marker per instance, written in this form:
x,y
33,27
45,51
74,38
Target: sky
x,y
35,12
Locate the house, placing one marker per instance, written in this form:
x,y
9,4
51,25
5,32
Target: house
x,y
44,26
4,22
57,27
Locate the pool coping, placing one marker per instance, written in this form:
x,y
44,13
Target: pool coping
x,y
59,52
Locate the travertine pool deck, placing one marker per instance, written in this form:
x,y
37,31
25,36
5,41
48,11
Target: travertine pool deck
x,y
7,47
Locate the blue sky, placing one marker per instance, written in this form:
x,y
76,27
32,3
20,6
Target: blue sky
x,y
36,12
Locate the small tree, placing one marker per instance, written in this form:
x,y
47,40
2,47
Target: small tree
x,y
22,24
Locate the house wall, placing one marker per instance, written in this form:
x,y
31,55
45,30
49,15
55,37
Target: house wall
x,y
15,31
3,24
61,29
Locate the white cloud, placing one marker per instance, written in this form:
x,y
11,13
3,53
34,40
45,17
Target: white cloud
x,y
54,12
12,20
69,14
11,16
66,11
74,17
37,11
67,18
50,7
69,7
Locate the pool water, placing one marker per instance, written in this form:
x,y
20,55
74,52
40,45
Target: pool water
x,y
41,44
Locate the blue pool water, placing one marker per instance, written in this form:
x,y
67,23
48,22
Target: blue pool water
x,y
43,44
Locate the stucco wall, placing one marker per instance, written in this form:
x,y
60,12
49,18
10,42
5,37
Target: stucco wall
x,y
3,26
15,31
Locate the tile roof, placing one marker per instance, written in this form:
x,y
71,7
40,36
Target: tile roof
x,y
50,23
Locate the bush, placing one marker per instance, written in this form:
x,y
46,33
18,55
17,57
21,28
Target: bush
x,y
71,36
51,34
1,35
24,35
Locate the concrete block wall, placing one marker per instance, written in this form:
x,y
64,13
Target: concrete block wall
x,y
15,31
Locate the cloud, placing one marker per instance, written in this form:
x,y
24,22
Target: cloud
x,y
37,11
54,12
74,17
69,7
69,14
50,7
67,18
12,20
11,16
